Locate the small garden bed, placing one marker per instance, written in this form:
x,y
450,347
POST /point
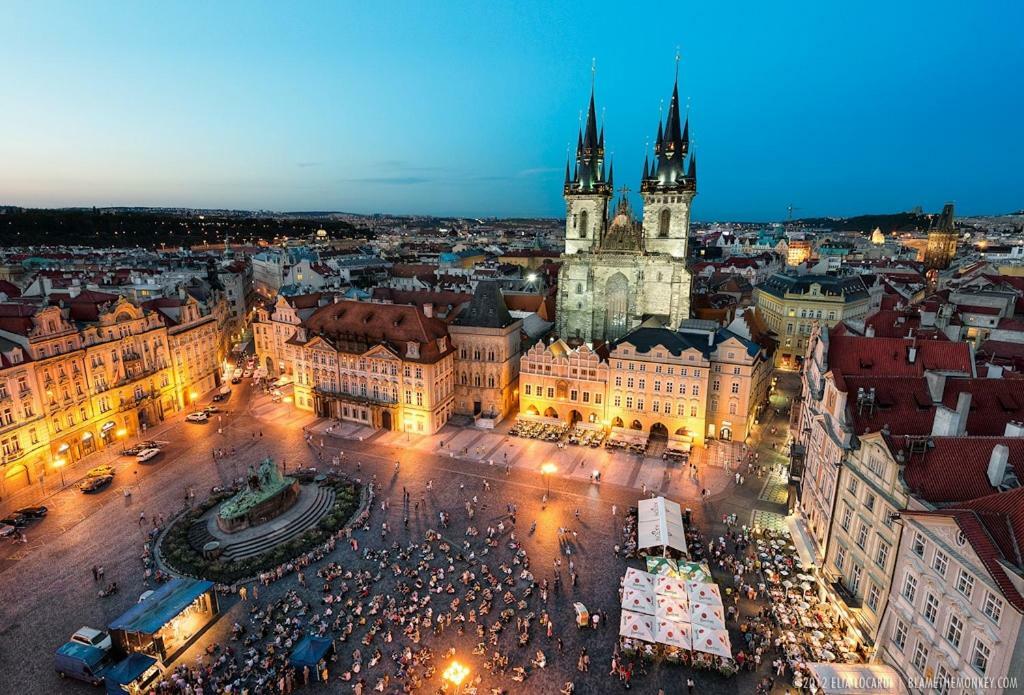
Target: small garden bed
x,y
180,556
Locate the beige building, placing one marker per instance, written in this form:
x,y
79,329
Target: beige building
x,y
386,366
487,340
195,343
679,386
791,304
24,441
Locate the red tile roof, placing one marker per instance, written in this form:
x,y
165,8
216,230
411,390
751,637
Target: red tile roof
x,y
853,355
955,469
368,323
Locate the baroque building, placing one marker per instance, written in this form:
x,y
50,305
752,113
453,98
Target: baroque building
x,y
617,274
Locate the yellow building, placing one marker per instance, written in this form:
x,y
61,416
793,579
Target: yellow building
x,y
678,386
24,442
194,341
791,304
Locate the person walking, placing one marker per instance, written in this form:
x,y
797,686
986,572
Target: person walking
x,y
243,593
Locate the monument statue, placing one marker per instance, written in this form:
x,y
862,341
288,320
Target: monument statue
x,y
267,494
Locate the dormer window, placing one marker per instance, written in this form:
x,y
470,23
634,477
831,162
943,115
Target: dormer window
x,y
442,344
412,349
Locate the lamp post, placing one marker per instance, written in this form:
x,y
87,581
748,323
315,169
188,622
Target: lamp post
x,y
121,433
546,470
192,396
58,463
455,674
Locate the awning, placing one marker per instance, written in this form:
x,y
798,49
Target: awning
x,y
660,524
801,540
856,679
638,579
670,586
672,608
704,592
126,671
707,615
162,606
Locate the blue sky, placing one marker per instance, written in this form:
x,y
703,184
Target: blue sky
x,y
467,108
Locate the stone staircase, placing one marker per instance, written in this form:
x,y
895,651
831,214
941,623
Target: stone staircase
x,y
199,535
321,505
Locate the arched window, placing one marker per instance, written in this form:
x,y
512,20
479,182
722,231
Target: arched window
x,y
579,288
584,218
490,381
663,221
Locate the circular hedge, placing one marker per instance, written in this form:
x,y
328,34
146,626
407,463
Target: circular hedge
x,y
178,553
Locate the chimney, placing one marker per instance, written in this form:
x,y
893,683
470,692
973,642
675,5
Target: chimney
x,y
963,409
428,310
945,422
995,371
74,290
869,332
997,464
936,385
1014,429
911,354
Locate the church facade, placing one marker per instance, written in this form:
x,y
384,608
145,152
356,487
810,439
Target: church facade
x,y
619,271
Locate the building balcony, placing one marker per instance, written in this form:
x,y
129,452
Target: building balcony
x,y
845,595
354,398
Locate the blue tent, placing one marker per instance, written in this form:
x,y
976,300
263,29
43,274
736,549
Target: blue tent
x,y
309,651
126,672
159,609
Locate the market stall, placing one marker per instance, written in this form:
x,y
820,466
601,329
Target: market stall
x,y
310,651
168,620
660,526
130,675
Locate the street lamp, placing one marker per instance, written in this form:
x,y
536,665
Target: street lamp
x,y
121,435
192,396
546,470
58,463
455,674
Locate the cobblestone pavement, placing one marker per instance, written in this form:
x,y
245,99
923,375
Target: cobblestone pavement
x,y
46,590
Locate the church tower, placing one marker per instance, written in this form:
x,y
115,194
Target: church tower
x,y
587,189
669,185
941,247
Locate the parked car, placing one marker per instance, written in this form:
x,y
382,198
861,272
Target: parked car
x,y
95,484
198,416
100,471
219,397
210,409
34,512
147,455
17,520
132,450
7,530
92,637
81,661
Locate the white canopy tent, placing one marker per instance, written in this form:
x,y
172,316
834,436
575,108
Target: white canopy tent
x,y
704,592
637,626
670,586
711,641
638,579
660,525
671,608
707,615
675,634
856,679
638,600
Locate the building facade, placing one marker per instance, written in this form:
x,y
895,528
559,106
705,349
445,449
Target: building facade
x,y
680,386
617,273
941,247
792,304
487,340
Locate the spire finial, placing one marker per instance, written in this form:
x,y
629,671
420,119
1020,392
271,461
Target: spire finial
x,y
593,73
677,63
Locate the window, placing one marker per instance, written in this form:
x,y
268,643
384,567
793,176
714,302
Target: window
x,y
917,545
573,395
954,630
942,679
597,398
551,392
920,659
617,401
874,595
869,501
715,384
630,383
899,634
992,607
979,656
663,223
693,411
643,384
852,486
695,391
735,388
965,583
882,554
840,560
909,587
940,562
618,381
931,608
586,396
862,535
856,573
528,387
846,518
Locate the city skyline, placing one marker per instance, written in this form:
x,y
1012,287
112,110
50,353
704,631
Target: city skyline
x,y
407,110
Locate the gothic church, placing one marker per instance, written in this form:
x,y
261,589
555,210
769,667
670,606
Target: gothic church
x,y
620,273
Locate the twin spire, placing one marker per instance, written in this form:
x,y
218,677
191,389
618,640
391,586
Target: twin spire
x,y
674,167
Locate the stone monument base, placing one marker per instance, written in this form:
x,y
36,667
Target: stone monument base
x,y
262,512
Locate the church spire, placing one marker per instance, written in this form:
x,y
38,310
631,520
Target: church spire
x,y
590,163
611,174
669,169
646,174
